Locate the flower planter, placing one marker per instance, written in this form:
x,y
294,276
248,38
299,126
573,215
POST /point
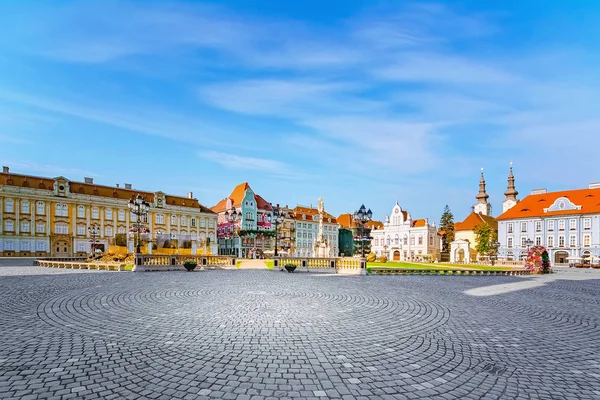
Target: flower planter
x,y
190,265
290,268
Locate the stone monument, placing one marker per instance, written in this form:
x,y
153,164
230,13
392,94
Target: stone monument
x,y
322,249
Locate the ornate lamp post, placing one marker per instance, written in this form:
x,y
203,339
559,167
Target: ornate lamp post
x,y
529,243
277,218
94,231
361,217
495,246
139,207
231,216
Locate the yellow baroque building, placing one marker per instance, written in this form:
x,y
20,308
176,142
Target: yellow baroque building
x,y
41,217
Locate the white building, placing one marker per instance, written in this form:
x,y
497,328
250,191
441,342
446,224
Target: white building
x,y
405,239
306,220
567,223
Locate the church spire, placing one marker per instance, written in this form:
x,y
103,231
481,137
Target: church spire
x,y
511,192
482,206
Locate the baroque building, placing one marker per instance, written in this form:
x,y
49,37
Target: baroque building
x,y
53,216
462,249
306,220
403,238
566,223
254,215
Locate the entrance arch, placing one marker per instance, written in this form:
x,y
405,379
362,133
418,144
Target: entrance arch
x,y
460,256
560,257
397,255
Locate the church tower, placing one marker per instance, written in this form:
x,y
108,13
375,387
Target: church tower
x,y
511,192
482,206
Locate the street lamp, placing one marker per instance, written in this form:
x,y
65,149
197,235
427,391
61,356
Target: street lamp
x,y
277,218
529,243
361,217
138,206
495,246
231,216
94,231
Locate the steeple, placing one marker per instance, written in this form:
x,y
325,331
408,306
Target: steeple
x,y
511,192
482,197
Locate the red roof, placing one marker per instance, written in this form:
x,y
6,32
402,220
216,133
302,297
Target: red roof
x,y
419,223
237,196
534,204
473,220
299,211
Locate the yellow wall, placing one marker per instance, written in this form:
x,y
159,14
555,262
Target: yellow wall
x,y
470,236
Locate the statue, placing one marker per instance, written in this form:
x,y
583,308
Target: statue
x,y
321,249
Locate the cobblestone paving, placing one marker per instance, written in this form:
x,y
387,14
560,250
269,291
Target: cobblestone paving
x,y
265,334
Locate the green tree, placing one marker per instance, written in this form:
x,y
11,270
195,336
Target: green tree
x,y
485,236
447,228
121,239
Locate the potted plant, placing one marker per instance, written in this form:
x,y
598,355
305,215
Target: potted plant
x,y
290,268
190,265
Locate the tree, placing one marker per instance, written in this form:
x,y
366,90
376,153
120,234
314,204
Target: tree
x,y
121,239
545,262
485,236
447,228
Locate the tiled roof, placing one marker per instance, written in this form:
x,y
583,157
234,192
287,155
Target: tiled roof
x,y
92,189
262,204
534,204
299,211
346,221
418,223
237,196
474,219
374,225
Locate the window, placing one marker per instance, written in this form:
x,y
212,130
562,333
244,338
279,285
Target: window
x,y
397,240
538,226
211,223
9,206
587,240
25,207
183,221
40,246
509,242
376,242
95,213
25,246
121,215
80,212
24,226
405,240
538,240
550,241
108,214
9,226
412,240
193,222
202,222
550,226
173,220
561,225
561,241
61,210
61,229
108,231
120,230
40,227
572,224
81,248
572,240
9,245
420,240
80,230
160,218
523,226
509,227
40,209
388,240
145,218
430,240
523,241
587,223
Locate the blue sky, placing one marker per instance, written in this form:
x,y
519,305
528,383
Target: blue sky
x,y
354,101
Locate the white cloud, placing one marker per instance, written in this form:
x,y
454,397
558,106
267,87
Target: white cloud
x,y
50,170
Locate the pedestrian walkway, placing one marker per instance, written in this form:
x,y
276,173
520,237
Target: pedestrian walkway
x,y
252,264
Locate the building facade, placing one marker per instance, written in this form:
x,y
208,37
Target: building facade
x,y
405,239
53,216
306,220
463,248
242,237
567,223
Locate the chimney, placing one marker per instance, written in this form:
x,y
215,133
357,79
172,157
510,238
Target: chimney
x,y
89,180
5,170
593,185
190,195
128,186
539,191
117,185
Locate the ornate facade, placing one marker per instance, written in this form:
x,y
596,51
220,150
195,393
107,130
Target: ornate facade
x,y
405,239
306,220
51,216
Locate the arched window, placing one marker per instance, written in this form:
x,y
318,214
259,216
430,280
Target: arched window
x,y
420,240
80,212
397,240
388,240
376,242
412,240
40,209
406,240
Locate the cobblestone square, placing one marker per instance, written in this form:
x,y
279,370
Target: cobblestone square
x,y
262,334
